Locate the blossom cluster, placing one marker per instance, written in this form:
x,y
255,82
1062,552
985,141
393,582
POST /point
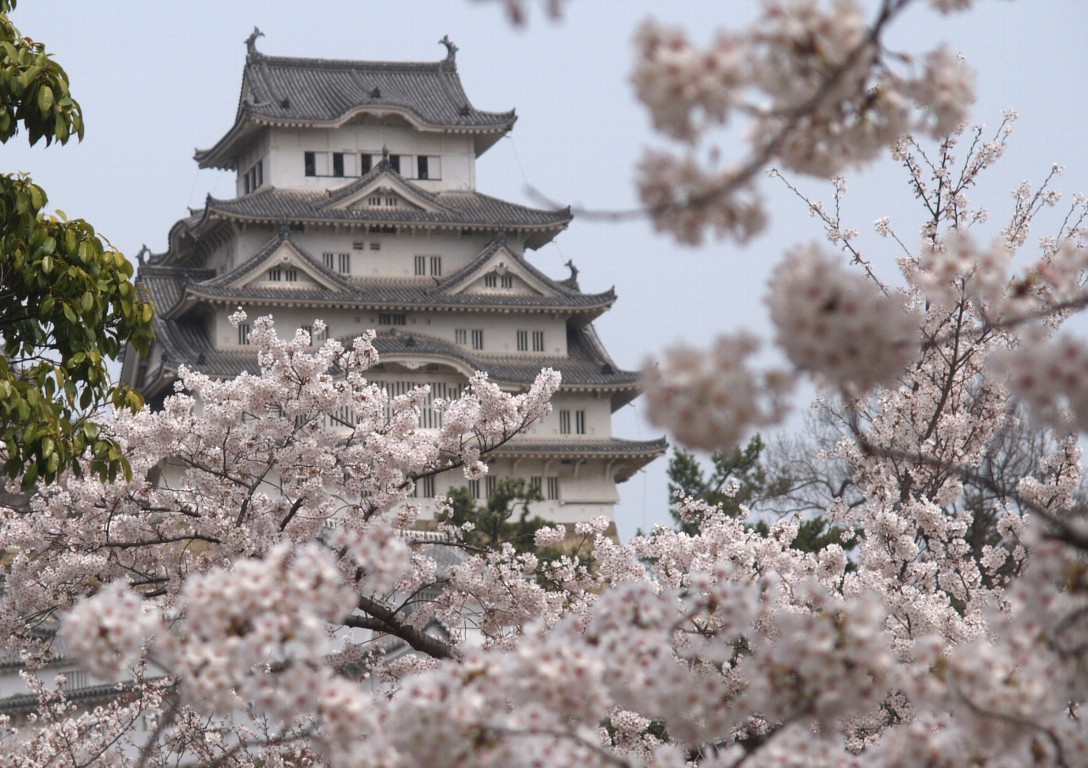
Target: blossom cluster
x,y
710,399
838,325
819,88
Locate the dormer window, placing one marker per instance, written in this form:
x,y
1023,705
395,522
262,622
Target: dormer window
x,y
290,275
491,281
376,200
275,274
507,281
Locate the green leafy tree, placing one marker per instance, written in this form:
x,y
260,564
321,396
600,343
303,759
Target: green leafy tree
x,y
504,518
67,303
741,478
736,478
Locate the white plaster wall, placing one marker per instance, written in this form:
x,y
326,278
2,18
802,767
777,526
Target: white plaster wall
x,y
286,148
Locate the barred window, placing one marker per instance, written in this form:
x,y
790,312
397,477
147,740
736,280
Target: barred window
x,y
243,333
553,489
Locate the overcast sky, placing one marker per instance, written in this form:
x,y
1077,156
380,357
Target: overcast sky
x,y
158,79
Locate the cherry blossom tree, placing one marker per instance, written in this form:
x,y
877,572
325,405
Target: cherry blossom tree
x,y
254,583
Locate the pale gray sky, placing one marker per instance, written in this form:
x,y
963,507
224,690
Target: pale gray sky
x,y
157,79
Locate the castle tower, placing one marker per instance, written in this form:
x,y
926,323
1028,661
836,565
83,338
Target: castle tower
x,y
356,203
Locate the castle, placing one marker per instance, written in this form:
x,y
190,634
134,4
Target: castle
x,y
356,203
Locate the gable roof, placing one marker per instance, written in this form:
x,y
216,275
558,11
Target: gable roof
x,y
290,91
452,209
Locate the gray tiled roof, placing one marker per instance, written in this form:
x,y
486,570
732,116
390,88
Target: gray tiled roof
x,y
631,455
169,286
293,91
454,209
584,367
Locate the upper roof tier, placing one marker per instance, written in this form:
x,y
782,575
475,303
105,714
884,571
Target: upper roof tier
x,y
327,93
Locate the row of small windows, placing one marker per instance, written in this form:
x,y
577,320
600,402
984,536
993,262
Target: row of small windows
x,y
494,281
462,335
351,164
523,341
283,275
430,417
565,422
548,486
246,329
342,260
435,262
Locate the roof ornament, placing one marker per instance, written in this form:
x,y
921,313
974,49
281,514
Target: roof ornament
x,y
451,49
573,271
285,228
376,93
141,256
500,238
251,42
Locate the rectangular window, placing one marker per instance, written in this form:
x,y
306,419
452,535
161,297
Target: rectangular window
x,y
474,488
424,488
507,281
478,339
328,259
421,265
394,162
338,164
374,201
382,229
553,489
344,263
290,275
358,245
365,164
275,274
428,167
523,341
538,341
344,415
537,484
243,333
309,331
491,483
317,163
392,318
491,281
375,246
564,422
75,680
580,422
436,266
460,336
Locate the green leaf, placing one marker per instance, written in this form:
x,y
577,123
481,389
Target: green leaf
x,y
45,98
